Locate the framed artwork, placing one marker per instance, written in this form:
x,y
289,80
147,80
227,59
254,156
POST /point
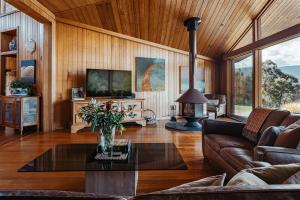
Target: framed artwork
x,y
28,71
77,93
150,74
184,79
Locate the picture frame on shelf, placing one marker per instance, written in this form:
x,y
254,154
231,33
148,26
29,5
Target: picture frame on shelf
x,y
77,94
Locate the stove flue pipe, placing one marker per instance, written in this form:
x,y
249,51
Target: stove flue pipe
x,y
192,25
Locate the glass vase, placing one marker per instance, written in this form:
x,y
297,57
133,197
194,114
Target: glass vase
x,y
106,139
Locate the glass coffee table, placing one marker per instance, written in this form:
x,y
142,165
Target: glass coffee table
x,y
108,177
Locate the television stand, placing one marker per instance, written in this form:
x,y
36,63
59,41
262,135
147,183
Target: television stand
x,y
134,109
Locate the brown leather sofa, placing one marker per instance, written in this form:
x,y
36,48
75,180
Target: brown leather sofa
x,y
225,147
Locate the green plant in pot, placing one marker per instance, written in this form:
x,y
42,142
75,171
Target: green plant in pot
x,y
18,87
107,119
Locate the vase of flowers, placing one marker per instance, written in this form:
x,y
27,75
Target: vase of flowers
x,y
107,119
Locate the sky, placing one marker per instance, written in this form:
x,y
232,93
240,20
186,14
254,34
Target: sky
x,y
246,62
283,54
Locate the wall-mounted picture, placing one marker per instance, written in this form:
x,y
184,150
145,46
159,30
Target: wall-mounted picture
x,y
28,71
184,79
150,74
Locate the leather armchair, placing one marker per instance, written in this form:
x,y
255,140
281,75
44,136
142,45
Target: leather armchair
x,y
220,108
276,155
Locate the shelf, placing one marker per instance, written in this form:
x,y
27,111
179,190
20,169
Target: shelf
x,y
9,53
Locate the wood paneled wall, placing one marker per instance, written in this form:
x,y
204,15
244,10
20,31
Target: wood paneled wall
x,y
79,48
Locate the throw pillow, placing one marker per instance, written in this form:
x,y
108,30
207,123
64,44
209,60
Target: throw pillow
x,y
275,174
294,179
213,102
209,181
244,178
290,137
270,135
254,123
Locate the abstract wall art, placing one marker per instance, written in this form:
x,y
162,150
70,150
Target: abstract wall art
x,y
150,74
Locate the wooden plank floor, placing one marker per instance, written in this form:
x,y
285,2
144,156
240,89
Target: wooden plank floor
x,y
15,154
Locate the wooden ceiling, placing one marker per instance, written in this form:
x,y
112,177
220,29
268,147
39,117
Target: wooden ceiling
x,y
161,21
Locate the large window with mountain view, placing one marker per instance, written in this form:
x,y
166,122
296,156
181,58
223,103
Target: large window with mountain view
x,y
242,85
281,76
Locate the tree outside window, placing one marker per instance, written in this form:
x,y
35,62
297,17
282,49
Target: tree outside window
x,y
281,76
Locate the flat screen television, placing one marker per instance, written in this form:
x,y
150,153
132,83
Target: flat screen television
x,y
108,83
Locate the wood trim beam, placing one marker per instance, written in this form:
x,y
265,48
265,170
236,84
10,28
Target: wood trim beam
x,y
34,9
281,36
240,38
104,31
264,9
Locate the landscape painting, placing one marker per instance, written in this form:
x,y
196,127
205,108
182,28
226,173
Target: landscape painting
x,y
184,79
150,74
28,71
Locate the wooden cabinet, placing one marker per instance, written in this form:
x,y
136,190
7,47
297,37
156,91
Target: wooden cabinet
x,y
18,112
134,109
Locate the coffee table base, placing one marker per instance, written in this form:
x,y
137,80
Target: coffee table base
x,y
122,183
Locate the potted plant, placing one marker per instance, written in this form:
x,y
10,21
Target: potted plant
x,y
107,119
18,87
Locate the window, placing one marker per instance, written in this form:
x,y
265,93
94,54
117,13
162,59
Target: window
x,y
281,76
242,85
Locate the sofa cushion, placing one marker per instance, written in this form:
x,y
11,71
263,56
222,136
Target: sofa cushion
x,y
294,179
290,119
270,135
266,192
275,118
254,123
213,102
219,141
275,174
238,158
217,180
244,178
290,137
211,108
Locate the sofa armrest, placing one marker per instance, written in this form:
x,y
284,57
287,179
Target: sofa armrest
x,y
276,155
222,127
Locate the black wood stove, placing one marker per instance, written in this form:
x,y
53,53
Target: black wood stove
x,y
193,102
